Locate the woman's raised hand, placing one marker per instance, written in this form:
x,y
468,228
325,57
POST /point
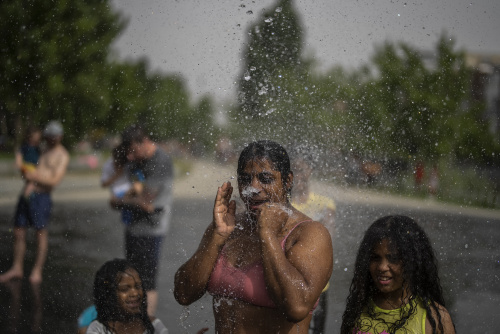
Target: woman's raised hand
x,y
224,210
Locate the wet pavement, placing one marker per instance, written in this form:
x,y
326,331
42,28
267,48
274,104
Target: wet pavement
x,y
85,233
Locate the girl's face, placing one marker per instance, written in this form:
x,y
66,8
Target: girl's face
x,y
386,270
129,292
259,183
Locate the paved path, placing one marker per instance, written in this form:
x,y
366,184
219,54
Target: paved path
x,y
204,177
85,232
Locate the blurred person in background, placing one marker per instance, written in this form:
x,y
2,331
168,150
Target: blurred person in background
x,y
151,210
34,211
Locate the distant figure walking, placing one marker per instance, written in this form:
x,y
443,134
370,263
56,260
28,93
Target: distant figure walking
x,y
34,211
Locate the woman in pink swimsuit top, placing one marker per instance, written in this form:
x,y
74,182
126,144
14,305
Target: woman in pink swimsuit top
x,y
266,266
245,283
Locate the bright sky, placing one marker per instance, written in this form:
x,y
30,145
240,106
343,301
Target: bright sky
x,y
202,40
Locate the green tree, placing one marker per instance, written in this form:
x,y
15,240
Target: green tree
x,y
53,54
407,108
272,57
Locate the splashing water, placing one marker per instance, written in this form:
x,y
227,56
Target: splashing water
x,y
184,316
249,191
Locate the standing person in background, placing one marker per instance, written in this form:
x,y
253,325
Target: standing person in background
x,y
319,208
151,210
395,287
434,180
35,210
27,155
419,175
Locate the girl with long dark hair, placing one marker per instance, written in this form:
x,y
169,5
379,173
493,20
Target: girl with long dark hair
x,y
121,302
396,287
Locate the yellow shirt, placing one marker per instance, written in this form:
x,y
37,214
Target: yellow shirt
x,y
315,206
414,325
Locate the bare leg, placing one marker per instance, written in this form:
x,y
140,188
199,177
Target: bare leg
x,y
36,326
42,237
14,318
17,269
152,296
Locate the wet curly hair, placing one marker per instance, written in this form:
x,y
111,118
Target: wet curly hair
x,y
106,298
420,273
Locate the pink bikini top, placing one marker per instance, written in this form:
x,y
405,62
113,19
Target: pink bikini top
x,y
246,283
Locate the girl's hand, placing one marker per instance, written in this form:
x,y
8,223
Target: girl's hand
x,y
272,218
224,210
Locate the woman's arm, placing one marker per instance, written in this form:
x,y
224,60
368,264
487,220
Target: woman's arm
x,y
296,277
192,277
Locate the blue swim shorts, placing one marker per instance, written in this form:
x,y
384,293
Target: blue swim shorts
x,y
33,211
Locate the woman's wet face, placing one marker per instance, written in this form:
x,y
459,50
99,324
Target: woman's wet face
x,y
260,183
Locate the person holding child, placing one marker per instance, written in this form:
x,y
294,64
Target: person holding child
x,y
34,211
150,210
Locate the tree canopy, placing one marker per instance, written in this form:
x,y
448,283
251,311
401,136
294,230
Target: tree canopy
x,y
56,63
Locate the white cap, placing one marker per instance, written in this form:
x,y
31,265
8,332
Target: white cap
x,y
53,129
